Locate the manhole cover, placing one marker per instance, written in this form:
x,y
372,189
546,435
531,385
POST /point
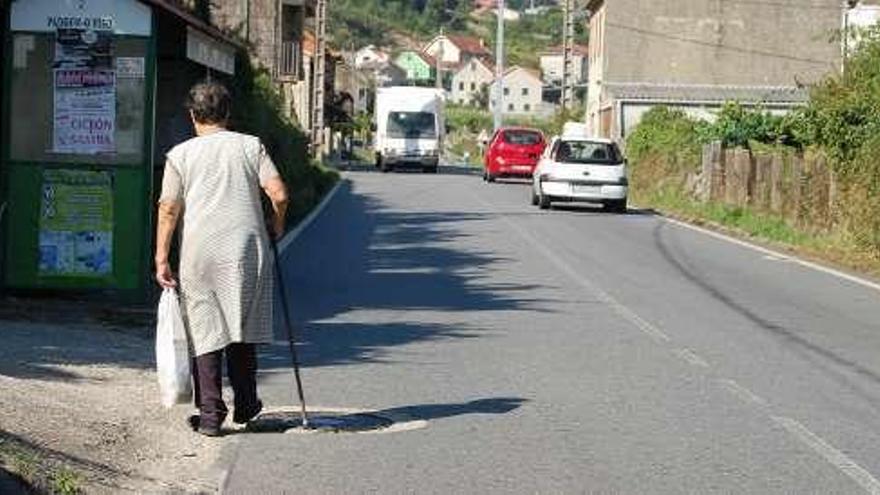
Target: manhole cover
x,y
327,421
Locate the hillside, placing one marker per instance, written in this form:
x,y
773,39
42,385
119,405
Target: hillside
x,y
397,24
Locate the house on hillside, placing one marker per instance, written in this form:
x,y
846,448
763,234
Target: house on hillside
x,y
370,55
384,74
522,92
419,67
553,65
469,81
695,55
452,50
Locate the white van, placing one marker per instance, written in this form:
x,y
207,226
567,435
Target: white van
x,y
409,127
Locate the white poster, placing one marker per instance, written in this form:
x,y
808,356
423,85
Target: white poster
x,y
85,111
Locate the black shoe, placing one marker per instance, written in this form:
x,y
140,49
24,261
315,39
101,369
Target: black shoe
x,y
195,423
242,416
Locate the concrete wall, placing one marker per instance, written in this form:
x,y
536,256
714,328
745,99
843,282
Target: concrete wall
x,y
596,66
720,42
259,25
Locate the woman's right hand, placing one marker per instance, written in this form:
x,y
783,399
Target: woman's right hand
x,y
164,277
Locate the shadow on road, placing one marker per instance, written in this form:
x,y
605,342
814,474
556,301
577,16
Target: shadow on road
x,y
368,277
496,405
442,170
41,351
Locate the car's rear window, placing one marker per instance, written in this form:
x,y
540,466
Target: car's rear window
x,y
587,152
522,138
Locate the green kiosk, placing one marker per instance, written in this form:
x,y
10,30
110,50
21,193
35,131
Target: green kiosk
x,y
77,140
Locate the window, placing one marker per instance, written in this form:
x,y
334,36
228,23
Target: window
x,y
587,152
506,91
510,107
411,125
527,107
473,66
473,86
522,138
525,91
461,86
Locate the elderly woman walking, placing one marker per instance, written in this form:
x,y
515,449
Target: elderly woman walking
x,y
226,270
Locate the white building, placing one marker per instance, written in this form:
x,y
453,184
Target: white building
x,y
370,55
522,92
455,49
470,78
552,65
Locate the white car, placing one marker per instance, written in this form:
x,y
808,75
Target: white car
x,y
582,169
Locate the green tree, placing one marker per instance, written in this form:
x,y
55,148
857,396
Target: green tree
x,y
435,12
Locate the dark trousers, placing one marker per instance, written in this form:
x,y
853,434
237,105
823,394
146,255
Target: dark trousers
x,y
207,370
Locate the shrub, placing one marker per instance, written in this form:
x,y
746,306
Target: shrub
x,y
468,119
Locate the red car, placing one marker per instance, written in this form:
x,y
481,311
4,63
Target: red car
x,y
513,152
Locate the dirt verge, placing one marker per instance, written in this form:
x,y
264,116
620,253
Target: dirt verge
x,y
81,413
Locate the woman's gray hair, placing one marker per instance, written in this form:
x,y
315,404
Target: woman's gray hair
x,y
209,102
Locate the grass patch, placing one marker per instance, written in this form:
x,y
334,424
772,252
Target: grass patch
x,y
38,470
65,481
762,227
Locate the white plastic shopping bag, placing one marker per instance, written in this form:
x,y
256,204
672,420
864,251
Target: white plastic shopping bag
x,y
172,352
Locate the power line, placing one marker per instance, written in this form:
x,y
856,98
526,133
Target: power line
x,y
710,44
791,5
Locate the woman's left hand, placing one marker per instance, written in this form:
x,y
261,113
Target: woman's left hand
x,y
164,277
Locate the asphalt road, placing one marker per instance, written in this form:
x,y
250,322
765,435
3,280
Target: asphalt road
x,y
567,351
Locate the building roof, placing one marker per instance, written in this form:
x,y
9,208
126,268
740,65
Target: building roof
x,y
534,74
193,20
707,93
484,61
468,44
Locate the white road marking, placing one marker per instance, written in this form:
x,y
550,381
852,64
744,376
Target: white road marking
x,y
770,257
291,236
837,458
742,392
769,252
691,358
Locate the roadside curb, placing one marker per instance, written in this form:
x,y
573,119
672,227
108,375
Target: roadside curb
x,y
742,239
291,236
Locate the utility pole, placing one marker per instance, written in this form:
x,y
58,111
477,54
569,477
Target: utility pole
x,y
438,79
319,75
567,54
499,67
